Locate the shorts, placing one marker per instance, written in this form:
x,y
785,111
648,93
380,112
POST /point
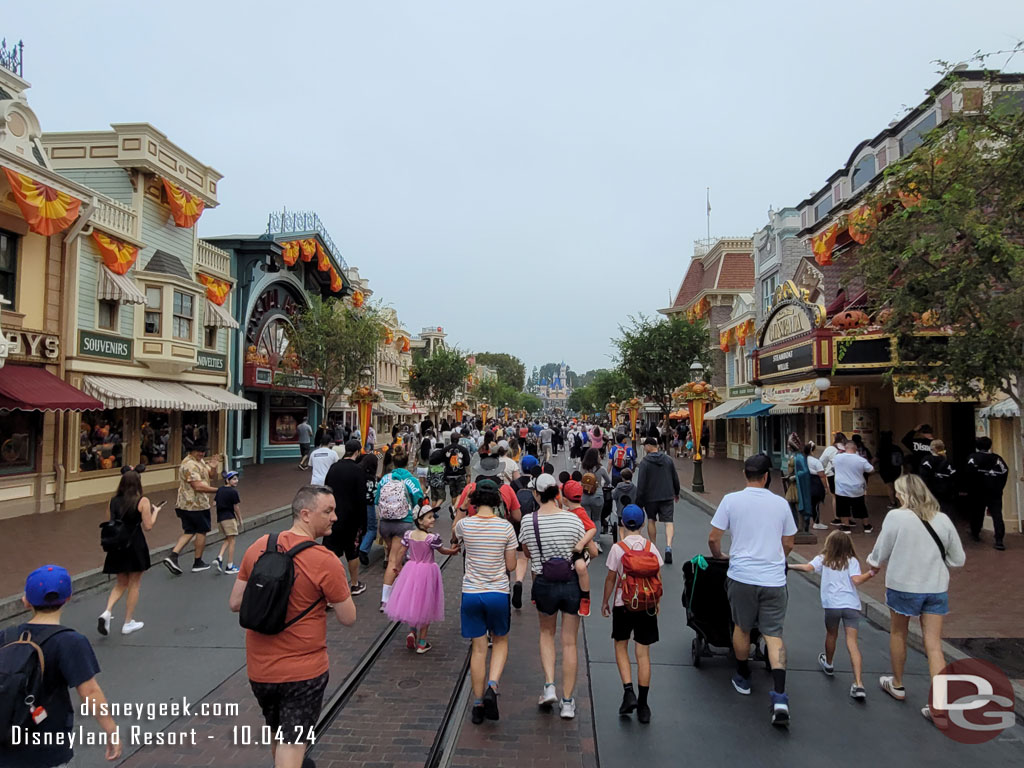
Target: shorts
x,y
228,527
292,707
851,506
389,528
756,606
437,495
916,603
303,449
343,540
194,520
849,616
422,471
831,483
660,511
554,596
640,625
484,612
456,485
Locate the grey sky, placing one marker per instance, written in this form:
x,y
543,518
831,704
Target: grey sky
x,y
525,174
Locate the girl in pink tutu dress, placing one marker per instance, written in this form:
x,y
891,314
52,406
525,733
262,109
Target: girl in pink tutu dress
x,y
417,598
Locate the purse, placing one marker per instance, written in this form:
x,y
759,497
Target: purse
x,y
935,538
555,569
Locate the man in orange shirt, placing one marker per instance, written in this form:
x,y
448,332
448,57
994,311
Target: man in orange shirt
x,y
288,671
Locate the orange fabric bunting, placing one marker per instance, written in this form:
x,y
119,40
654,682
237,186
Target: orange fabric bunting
x,y
185,207
323,261
723,340
118,257
357,299
741,333
336,283
862,223
216,290
47,210
290,252
308,249
388,336
406,345
823,243
909,197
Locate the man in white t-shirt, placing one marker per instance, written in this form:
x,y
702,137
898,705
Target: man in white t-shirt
x,y
320,460
851,485
762,530
546,436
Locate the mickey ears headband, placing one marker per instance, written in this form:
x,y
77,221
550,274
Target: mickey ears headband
x,y
140,468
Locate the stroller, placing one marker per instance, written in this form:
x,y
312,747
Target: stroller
x,y
707,611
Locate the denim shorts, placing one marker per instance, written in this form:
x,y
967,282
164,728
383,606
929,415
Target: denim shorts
x,y
484,612
916,603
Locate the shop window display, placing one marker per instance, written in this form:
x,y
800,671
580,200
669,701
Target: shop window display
x,y
155,438
101,440
18,434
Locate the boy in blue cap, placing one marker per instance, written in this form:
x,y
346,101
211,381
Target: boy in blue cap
x,y
69,662
631,562
229,519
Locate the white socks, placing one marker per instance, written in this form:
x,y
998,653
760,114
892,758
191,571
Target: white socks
x,y
385,592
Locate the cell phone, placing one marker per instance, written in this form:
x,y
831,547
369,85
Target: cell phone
x,y
160,506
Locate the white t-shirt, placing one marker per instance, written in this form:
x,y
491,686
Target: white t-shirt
x,y
826,459
320,461
815,466
837,588
614,560
757,519
850,469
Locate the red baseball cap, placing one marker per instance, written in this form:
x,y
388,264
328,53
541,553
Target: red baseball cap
x,y
572,490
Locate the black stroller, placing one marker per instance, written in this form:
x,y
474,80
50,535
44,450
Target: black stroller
x,y
707,611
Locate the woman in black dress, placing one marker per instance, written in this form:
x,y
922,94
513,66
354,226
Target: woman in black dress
x,y
130,561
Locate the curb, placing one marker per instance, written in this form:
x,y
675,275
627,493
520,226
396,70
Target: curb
x,y
874,611
12,608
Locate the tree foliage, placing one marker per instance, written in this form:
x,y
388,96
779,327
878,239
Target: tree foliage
x,y
945,264
333,342
439,378
655,355
608,384
498,394
511,370
583,400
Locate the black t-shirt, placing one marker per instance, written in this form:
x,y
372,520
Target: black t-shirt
x,y
436,457
456,461
371,487
348,481
70,661
225,499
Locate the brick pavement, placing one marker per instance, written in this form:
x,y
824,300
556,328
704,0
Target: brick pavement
x,y
72,539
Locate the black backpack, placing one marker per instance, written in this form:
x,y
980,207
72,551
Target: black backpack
x,y
115,534
265,600
22,664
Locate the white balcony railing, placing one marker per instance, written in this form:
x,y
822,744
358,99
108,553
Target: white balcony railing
x,y
210,258
116,218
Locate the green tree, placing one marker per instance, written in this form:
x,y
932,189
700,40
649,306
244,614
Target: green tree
x,y
583,400
948,253
511,370
655,355
528,402
607,384
439,378
332,343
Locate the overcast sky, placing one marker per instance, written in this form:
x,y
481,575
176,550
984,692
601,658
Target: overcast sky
x,y
526,174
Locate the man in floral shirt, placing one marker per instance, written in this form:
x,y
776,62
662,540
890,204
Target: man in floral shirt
x,y
193,506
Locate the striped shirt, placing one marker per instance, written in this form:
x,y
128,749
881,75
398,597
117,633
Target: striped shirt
x,y
485,541
559,533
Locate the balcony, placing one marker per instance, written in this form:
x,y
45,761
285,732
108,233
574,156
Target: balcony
x,y
210,258
13,59
116,218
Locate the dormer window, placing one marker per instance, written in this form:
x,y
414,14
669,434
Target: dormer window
x,y
863,172
913,138
823,207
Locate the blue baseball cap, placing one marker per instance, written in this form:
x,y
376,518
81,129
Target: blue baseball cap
x,y
528,463
48,586
229,475
632,517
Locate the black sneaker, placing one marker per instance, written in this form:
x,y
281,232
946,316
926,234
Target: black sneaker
x,y
836,521
307,762
1000,546
868,528
517,595
491,704
364,558
628,705
357,589
171,561
846,528
478,714
643,713
668,556
200,565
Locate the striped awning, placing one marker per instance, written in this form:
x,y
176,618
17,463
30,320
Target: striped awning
x,y
117,392
226,400
1004,409
217,316
721,411
186,399
120,288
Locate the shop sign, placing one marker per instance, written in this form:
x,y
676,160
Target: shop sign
x,y
209,361
907,388
871,352
785,361
804,393
745,390
32,346
792,315
104,345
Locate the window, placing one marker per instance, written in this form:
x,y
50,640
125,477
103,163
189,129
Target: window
x,y
106,318
195,428
863,172
1007,103
750,365
9,269
182,320
19,432
155,437
913,138
823,207
154,310
730,374
101,440
881,157
768,291
210,337
819,429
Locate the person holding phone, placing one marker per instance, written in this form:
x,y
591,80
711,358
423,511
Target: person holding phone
x,y
129,562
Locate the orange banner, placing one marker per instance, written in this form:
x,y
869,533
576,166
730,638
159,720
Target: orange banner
x,y
742,331
46,210
290,252
862,223
406,344
724,338
185,207
336,282
308,249
388,336
357,299
118,257
697,423
216,290
323,261
823,243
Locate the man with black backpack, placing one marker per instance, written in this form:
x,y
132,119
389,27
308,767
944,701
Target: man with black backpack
x,y
68,661
456,467
281,596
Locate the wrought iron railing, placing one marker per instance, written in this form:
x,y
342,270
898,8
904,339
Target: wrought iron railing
x,y
287,222
13,58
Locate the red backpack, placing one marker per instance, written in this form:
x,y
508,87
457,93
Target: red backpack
x,y
641,579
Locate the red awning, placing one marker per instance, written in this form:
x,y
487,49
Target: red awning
x,y
25,388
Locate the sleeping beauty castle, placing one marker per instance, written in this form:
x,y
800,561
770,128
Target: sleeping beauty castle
x,y
555,391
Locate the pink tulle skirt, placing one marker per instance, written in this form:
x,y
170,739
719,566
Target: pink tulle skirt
x,y
418,595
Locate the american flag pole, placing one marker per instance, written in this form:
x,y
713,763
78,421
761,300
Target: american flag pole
x,y
709,214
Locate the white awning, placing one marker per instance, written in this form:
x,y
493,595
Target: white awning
x,y
1004,409
719,411
785,410
227,400
391,409
117,392
120,288
217,317
185,399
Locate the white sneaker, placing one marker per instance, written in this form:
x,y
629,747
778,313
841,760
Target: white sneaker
x,y
827,668
568,709
103,623
888,684
131,626
549,697
820,527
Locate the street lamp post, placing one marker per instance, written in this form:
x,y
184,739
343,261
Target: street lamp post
x,y
633,406
696,393
613,411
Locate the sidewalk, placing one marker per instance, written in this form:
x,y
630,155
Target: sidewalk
x,y
72,538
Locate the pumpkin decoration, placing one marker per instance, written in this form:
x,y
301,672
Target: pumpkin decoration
x,y
851,318
883,316
930,318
